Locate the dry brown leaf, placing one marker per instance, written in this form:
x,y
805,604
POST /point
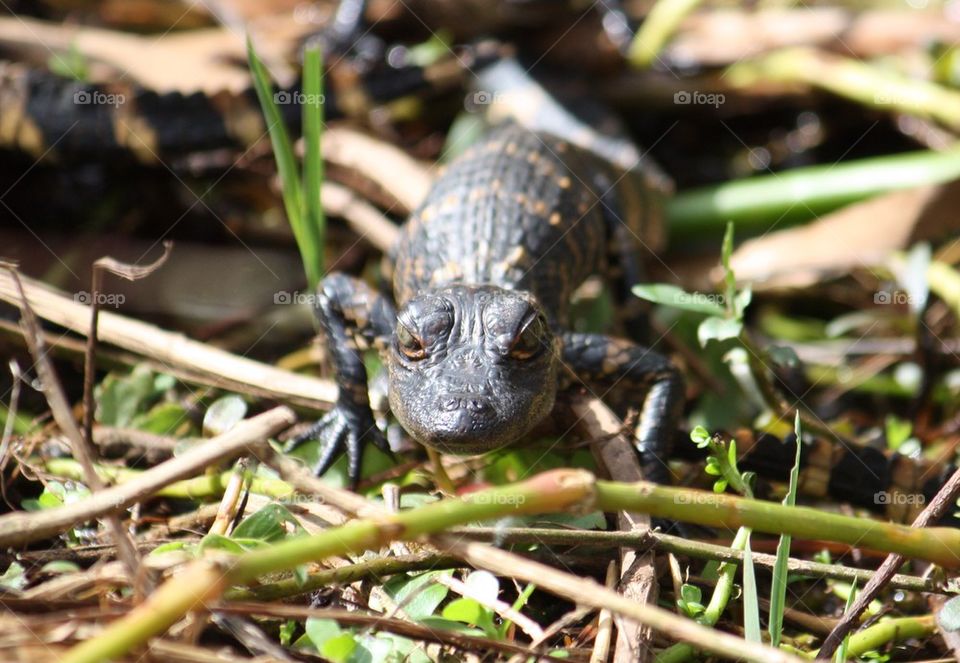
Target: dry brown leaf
x,y
859,235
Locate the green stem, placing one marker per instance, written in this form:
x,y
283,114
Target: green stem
x,y
682,651
209,486
342,575
874,638
870,85
203,582
935,544
756,203
658,26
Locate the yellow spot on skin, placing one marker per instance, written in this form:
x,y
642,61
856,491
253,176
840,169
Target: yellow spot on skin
x,y
561,147
521,199
451,271
533,157
564,182
495,185
475,194
516,255
427,213
540,207
555,219
511,148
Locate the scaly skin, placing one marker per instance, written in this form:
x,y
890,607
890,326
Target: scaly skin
x,y
484,271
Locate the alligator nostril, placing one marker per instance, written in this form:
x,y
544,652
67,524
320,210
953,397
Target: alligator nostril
x,y
450,404
478,405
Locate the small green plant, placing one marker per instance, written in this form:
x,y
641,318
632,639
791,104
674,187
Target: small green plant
x,y
301,193
420,597
722,463
691,601
724,313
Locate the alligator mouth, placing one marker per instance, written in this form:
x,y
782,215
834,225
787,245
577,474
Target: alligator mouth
x,y
478,405
466,424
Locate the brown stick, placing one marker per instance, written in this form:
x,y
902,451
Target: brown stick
x,y
20,528
168,348
942,501
638,577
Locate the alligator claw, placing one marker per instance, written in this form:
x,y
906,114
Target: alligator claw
x,y
341,430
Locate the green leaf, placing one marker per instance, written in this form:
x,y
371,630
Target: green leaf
x,y
465,610
390,648
720,485
330,640
450,625
691,593
14,579
121,398
59,567
314,219
219,542
783,356
172,547
267,524
223,414
163,419
71,64
729,278
419,596
718,329
741,301
751,602
287,630
841,654
949,615
700,436
293,201
339,648
898,431
778,587
671,295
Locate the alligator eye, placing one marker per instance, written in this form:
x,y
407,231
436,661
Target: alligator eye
x,y
529,341
409,345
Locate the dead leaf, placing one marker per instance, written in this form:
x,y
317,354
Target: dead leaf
x,y
859,235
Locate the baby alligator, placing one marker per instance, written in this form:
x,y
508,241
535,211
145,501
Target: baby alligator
x,y
483,276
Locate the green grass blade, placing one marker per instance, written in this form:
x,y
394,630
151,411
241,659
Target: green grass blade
x,y
286,163
778,588
841,654
312,155
751,602
757,203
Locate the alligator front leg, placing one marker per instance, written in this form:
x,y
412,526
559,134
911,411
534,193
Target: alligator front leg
x,y
352,316
622,373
